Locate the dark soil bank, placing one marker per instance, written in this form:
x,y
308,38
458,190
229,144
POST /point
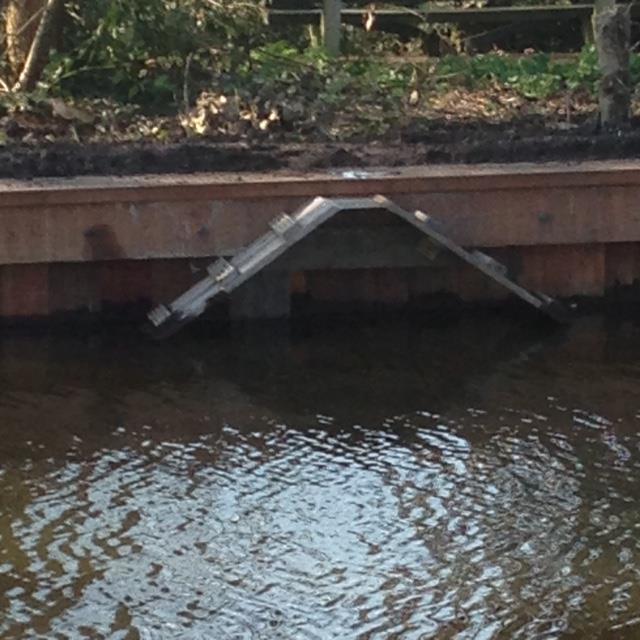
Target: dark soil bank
x,y
419,144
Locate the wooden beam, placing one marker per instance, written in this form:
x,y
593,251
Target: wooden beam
x,y
267,296
377,246
460,17
192,189
331,26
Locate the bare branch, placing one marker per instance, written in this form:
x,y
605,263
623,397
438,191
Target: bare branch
x,y
24,27
37,52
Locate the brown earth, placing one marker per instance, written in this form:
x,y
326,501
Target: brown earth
x,y
421,142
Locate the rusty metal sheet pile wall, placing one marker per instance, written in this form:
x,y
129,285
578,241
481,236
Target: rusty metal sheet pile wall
x,y
85,243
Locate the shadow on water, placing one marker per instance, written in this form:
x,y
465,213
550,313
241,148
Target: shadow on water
x,y
364,373
474,480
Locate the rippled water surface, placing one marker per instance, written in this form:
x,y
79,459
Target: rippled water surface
x,y
476,481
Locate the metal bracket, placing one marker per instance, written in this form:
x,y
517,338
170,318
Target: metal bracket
x,y
220,270
286,230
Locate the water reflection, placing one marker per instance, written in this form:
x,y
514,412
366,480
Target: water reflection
x,y
477,481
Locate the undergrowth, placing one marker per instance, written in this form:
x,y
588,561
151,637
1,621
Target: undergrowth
x,y
111,87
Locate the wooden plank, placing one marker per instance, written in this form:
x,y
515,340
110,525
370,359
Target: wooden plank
x,y
198,229
74,287
388,286
169,278
622,265
564,271
332,26
24,291
347,248
452,15
554,216
481,207
266,296
370,286
118,231
245,186
125,282
254,186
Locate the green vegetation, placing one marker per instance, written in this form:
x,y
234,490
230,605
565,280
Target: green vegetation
x,y
138,50
166,69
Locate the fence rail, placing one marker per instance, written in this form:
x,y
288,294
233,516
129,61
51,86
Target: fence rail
x,y
401,19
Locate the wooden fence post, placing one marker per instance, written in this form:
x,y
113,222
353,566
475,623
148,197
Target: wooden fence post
x,y
331,26
612,28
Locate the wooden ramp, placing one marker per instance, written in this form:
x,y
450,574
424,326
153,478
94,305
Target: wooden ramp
x,y
224,276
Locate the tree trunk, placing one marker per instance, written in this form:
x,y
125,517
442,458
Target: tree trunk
x,y
48,24
21,27
331,26
612,28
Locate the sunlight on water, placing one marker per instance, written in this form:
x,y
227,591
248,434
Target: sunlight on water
x,y
478,481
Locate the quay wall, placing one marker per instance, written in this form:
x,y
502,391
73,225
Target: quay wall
x,y
88,243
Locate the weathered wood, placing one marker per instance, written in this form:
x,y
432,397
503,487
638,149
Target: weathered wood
x,y
564,272
266,296
375,247
24,290
254,187
612,29
586,26
451,15
484,263
332,26
169,217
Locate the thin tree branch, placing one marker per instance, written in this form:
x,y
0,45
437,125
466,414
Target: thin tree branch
x,y
29,75
25,26
185,87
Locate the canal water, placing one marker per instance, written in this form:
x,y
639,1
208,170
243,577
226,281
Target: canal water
x,y
477,480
